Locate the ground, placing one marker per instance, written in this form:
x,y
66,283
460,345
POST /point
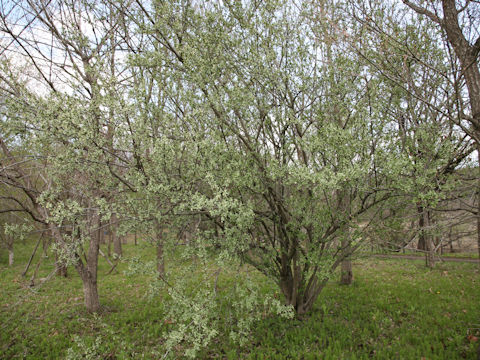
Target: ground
x,y
396,308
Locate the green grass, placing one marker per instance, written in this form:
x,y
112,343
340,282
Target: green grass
x,y
395,309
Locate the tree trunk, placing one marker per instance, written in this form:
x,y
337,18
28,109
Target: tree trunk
x,y
45,243
117,243
301,301
160,255
10,256
347,272
35,272
160,258
478,203
117,246
430,256
421,226
88,272
90,291
109,243
425,240
61,268
299,292
429,246
346,277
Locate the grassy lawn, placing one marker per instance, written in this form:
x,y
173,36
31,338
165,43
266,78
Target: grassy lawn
x,y
460,255
396,309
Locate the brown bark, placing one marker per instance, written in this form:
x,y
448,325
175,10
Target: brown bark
x,y
90,291
425,240
421,230
10,256
88,271
160,258
45,243
429,246
117,246
347,272
346,277
61,268
478,203
35,272
109,243
467,54
478,207
299,292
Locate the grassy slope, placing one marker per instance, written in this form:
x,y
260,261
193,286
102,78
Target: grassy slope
x,y
395,309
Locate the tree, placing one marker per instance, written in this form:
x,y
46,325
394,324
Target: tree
x,y
460,24
258,121
271,136
67,119
424,105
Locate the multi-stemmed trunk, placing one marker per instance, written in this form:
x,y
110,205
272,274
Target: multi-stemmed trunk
x,y
299,290
87,270
297,296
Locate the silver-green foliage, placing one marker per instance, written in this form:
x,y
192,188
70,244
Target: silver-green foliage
x,y
265,130
256,126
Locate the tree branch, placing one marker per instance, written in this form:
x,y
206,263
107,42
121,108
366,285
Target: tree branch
x,y
476,48
423,11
